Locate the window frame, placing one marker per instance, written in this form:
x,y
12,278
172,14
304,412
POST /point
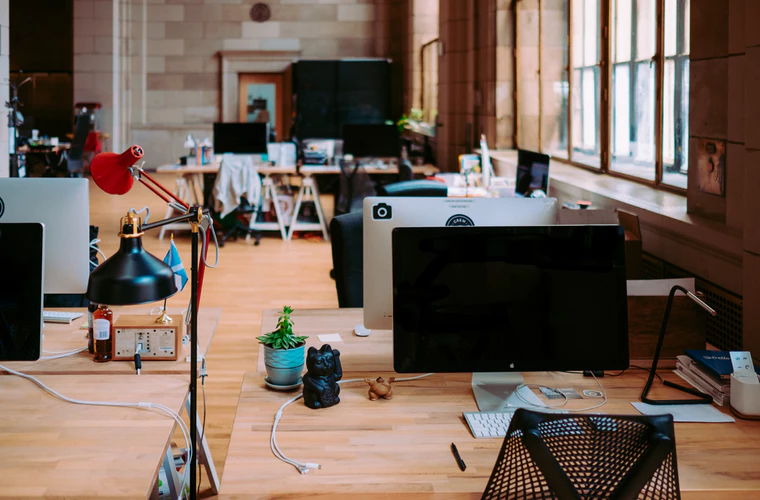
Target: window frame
x,y
604,105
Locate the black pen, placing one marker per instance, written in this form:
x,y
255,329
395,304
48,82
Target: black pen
x,y
460,462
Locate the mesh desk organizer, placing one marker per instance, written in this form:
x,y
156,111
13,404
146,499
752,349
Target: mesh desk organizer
x,y
586,456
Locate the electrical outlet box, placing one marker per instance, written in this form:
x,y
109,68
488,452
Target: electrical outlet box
x,y
160,341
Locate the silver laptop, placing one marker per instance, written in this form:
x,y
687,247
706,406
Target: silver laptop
x,y
382,214
63,206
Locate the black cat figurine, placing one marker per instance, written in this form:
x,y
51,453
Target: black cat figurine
x,y
320,383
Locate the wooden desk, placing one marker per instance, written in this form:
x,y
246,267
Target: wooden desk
x,y
371,449
357,353
64,338
53,448
424,170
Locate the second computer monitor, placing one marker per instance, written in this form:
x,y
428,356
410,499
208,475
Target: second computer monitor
x,y
241,138
383,214
371,141
532,177
63,206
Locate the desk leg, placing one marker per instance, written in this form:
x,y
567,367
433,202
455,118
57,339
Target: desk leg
x,y
204,454
297,209
318,206
172,477
270,189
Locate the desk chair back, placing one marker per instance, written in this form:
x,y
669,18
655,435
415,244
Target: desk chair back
x,y
405,172
355,185
419,188
586,456
236,193
348,258
75,153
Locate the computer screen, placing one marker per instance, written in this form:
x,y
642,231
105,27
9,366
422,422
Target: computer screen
x,y
241,138
532,174
371,141
383,214
21,274
500,299
63,206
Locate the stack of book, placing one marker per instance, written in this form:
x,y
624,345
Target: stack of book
x,y
708,371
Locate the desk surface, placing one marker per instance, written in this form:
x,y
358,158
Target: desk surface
x,y
64,338
357,353
304,170
58,449
372,170
214,168
402,445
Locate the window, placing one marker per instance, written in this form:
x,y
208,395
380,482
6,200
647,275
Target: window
x,y
614,86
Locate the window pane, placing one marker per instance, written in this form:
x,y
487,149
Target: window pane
x,y
577,29
675,120
554,84
671,25
621,30
621,124
646,29
590,35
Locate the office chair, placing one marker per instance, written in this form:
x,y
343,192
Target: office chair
x,y
74,156
586,456
236,194
347,242
355,185
414,188
405,171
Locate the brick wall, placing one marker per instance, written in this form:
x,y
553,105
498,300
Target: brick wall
x,y
422,27
170,80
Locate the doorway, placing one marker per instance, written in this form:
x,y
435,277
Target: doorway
x,y
265,97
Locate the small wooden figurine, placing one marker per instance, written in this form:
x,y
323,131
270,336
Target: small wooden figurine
x,y
379,388
320,383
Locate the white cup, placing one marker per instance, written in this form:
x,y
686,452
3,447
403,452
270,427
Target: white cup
x,y
35,134
54,141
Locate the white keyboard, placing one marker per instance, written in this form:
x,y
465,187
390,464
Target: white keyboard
x,y
60,317
488,424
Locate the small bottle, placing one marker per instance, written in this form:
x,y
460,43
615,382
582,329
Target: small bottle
x,y
90,311
102,333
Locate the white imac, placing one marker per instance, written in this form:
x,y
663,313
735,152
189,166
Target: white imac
x,y
382,214
63,206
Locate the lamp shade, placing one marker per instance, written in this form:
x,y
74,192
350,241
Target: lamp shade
x,y
131,276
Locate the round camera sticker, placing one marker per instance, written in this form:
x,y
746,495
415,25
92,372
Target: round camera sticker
x,y
459,220
382,211
2,207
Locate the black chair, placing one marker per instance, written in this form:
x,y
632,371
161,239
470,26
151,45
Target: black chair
x,y
586,456
232,225
405,172
74,156
420,188
348,258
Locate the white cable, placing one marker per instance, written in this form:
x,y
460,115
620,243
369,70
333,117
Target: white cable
x,y
203,244
143,209
154,406
601,389
58,355
301,467
94,246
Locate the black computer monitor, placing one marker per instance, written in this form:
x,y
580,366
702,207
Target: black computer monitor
x,y
532,173
371,141
500,299
241,138
22,248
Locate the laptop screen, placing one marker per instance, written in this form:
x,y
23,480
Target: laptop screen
x,y
532,174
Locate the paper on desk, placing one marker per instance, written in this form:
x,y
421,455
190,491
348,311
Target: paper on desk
x,y
330,337
685,413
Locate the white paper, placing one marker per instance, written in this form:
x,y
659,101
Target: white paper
x,y
330,337
658,288
685,413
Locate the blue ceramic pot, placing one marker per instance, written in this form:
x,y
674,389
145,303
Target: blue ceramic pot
x,y
284,366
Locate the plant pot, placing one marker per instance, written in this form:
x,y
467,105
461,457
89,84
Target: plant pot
x,y
284,366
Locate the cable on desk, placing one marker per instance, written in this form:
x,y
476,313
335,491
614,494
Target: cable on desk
x,y
61,354
601,389
152,406
634,366
203,376
302,467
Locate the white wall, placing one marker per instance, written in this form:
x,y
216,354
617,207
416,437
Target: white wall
x,y
4,65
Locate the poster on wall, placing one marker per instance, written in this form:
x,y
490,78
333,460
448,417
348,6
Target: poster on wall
x,y
711,166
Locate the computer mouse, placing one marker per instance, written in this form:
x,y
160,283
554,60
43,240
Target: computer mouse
x,y
361,331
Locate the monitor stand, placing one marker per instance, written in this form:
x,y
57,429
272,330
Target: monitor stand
x,y
495,391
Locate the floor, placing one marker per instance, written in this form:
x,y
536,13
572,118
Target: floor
x,y
248,279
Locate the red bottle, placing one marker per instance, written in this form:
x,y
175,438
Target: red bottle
x,y
102,333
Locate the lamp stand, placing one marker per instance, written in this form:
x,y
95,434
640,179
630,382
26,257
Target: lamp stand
x,y
702,398
194,363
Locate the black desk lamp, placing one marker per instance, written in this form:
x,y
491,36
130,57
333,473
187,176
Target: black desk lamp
x,y
133,276
702,398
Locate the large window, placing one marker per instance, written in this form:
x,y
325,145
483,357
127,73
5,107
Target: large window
x,y
614,86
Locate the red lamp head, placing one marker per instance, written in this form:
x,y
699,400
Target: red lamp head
x,y
110,171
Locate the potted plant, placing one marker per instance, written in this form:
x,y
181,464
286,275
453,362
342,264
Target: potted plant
x,y
283,352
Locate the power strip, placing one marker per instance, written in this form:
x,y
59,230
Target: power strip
x,y
159,341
